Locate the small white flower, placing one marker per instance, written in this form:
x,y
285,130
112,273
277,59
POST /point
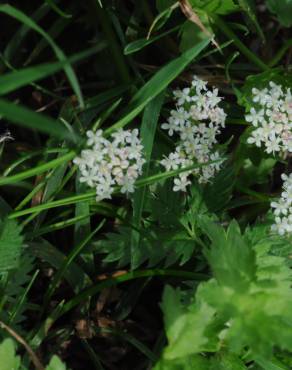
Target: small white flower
x,y
170,126
197,122
182,96
282,209
260,96
181,183
255,138
108,162
255,117
273,145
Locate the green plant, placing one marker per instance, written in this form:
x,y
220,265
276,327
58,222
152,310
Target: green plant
x,y
182,196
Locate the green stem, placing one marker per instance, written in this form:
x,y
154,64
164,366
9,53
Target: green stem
x,y
89,292
91,194
244,50
279,55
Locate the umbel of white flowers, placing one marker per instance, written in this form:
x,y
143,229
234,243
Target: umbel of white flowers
x,y
283,208
116,161
197,120
272,118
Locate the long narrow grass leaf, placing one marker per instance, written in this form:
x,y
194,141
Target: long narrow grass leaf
x,y
21,17
16,79
25,117
157,84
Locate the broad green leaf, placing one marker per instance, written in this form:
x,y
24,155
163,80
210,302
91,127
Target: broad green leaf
x,y
23,18
56,364
157,84
11,245
283,10
8,358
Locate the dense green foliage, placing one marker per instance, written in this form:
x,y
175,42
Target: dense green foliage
x,y
154,278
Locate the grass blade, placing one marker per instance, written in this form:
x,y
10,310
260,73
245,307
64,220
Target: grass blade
x,y
157,84
16,79
23,18
25,117
37,170
103,207
148,129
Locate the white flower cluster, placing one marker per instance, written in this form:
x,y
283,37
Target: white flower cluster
x,y
272,118
107,163
197,120
283,208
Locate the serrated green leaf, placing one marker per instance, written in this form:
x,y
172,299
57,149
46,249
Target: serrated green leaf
x,y
218,193
11,244
283,9
185,328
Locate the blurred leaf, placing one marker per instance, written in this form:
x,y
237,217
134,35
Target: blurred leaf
x,y
221,7
250,8
8,358
194,362
52,4
227,361
56,364
163,4
283,10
